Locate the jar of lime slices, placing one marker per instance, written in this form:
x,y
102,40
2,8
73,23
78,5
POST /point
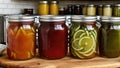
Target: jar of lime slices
x,y
109,37
83,37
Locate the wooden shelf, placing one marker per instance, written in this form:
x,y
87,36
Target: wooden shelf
x,y
67,62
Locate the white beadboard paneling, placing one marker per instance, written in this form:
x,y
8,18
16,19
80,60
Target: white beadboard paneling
x,y
16,11
11,6
7,1
7,11
3,5
1,11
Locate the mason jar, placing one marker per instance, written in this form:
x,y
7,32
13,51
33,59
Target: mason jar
x,y
91,10
100,10
21,37
54,8
109,37
107,10
83,37
52,37
43,8
116,10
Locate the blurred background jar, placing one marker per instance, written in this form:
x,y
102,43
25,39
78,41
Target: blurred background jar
x,y
83,37
91,10
61,10
21,36
54,8
107,10
53,37
28,11
43,8
77,10
116,10
84,9
70,9
109,37
100,10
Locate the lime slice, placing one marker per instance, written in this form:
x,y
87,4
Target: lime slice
x,y
87,43
75,45
77,34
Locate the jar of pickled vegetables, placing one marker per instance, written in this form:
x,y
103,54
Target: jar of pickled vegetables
x,y
21,37
43,8
107,10
91,10
83,37
53,37
109,37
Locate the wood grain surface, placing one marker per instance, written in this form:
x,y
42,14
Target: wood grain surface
x,y
67,62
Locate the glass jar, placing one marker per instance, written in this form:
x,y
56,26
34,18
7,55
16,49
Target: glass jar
x,y
100,10
53,37
84,9
54,8
62,10
21,37
109,37
83,37
116,10
77,10
91,10
107,10
43,8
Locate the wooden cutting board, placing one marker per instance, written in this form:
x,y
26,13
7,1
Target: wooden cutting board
x,y
66,62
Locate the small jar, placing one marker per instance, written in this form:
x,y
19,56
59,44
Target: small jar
x,y
116,10
69,10
107,10
100,10
83,37
21,37
62,10
53,37
54,8
91,10
77,10
84,9
109,37
43,8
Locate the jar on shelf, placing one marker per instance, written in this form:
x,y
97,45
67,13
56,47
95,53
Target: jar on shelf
x,y
21,37
109,37
84,9
91,10
43,8
77,10
107,10
83,37
100,10
116,10
54,8
53,37
62,10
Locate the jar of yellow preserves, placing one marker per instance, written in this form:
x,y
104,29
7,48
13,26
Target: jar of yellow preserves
x,y
54,8
43,8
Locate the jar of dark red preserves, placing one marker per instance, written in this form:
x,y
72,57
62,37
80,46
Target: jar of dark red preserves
x,y
53,37
21,37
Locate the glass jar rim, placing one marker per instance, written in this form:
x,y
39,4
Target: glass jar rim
x,y
45,2
110,19
52,18
20,18
82,18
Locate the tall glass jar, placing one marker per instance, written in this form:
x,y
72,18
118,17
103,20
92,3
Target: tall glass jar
x,y
109,37
54,8
21,37
107,10
83,37
53,37
43,8
100,10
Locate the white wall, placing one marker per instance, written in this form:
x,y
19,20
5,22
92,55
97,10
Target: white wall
x,y
16,6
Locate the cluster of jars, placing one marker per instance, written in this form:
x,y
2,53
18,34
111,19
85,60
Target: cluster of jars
x,y
46,8
91,9
84,37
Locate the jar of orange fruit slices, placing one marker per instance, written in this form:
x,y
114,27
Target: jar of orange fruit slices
x,y
21,37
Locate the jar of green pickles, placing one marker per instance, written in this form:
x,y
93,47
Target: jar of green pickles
x,y
116,10
83,37
109,37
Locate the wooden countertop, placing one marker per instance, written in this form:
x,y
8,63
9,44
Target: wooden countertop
x,y
66,62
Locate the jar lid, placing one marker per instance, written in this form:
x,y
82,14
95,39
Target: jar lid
x,y
91,5
110,19
54,2
117,5
82,18
43,2
107,5
100,5
20,18
50,18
